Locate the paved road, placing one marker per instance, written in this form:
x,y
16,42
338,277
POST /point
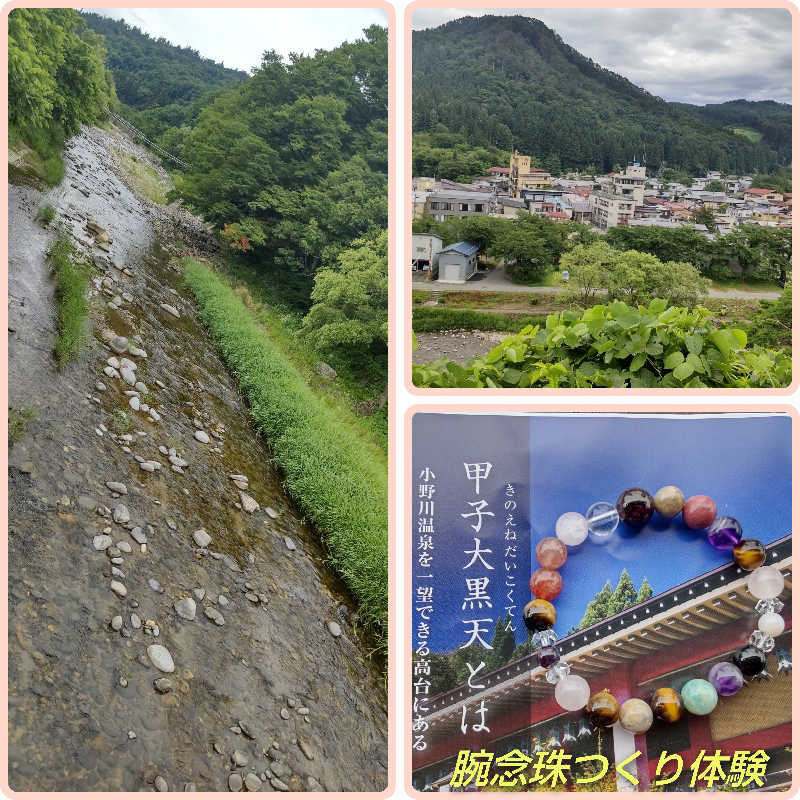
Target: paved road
x,y
498,281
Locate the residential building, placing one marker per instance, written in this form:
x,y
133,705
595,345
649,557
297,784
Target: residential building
x,y
764,195
425,249
444,204
458,262
521,176
509,207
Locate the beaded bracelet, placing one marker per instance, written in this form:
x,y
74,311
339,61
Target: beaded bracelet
x,y
634,508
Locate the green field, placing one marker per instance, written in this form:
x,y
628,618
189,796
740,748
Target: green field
x,y
748,133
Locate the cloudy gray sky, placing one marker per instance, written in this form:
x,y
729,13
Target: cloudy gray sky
x,y
701,55
238,36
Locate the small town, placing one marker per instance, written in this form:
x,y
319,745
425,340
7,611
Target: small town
x,y
713,204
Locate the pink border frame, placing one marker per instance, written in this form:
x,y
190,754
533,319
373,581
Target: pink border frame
x,y
581,408
406,207
391,19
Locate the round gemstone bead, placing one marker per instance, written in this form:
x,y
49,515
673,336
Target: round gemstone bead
x,y
546,583
547,656
545,638
669,501
635,507
749,554
771,623
699,512
603,520
557,672
551,553
699,696
750,660
724,533
726,678
635,715
762,641
603,709
572,528
572,692
765,583
539,614
667,704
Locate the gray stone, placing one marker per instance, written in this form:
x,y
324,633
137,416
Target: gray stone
x,y
121,514
118,588
199,594
176,461
302,711
284,713
201,538
171,310
116,486
128,364
333,628
235,782
240,758
86,503
202,436
142,387
155,585
161,784
252,782
189,787
102,542
186,608
119,344
138,535
325,371
116,623
161,658
223,601
305,747
134,403
214,615
278,784
128,375
248,503
271,512
163,685
124,547
290,545
136,621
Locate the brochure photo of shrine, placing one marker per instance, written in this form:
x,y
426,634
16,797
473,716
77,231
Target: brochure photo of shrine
x,y
601,602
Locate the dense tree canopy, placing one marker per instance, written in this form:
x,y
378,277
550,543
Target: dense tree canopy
x,y
290,164
57,79
511,82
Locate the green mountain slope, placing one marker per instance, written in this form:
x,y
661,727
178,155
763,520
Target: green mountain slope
x,y
512,82
160,85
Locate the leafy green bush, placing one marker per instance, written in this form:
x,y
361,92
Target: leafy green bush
x,y
771,325
616,345
427,318
339,486
46,214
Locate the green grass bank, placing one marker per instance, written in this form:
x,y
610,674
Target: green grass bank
x,y
430,318
340,486
72,284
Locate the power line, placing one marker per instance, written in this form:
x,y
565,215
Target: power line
x,y
139,135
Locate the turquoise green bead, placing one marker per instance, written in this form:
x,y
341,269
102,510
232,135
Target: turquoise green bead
x,y
699,696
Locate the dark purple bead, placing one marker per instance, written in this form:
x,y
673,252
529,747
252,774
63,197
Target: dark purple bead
x,y
750,660
635,507
726,678
724,533
547,656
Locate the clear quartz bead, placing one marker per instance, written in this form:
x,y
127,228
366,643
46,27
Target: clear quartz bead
x,y
762,641
558,671
545,638
765,606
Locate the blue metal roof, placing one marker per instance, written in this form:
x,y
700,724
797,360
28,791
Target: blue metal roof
x,y
465,248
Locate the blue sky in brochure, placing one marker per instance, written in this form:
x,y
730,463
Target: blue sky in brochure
x,y
237,37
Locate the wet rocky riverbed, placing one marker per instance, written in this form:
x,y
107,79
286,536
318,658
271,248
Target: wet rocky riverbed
x,y
170,627
461,346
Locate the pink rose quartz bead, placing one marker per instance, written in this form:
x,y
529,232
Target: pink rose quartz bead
x,y
699,512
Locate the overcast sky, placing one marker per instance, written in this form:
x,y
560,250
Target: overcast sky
x,y
238,36
699,55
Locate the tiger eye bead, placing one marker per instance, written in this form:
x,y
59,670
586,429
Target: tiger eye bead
x,y
635,507
546,584
667,704
603,709
538,615
749,554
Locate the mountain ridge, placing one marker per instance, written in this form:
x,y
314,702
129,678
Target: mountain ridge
x,y
512,82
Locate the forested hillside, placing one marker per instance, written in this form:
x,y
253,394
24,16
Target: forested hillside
x,y
511,82
162,84
57,81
